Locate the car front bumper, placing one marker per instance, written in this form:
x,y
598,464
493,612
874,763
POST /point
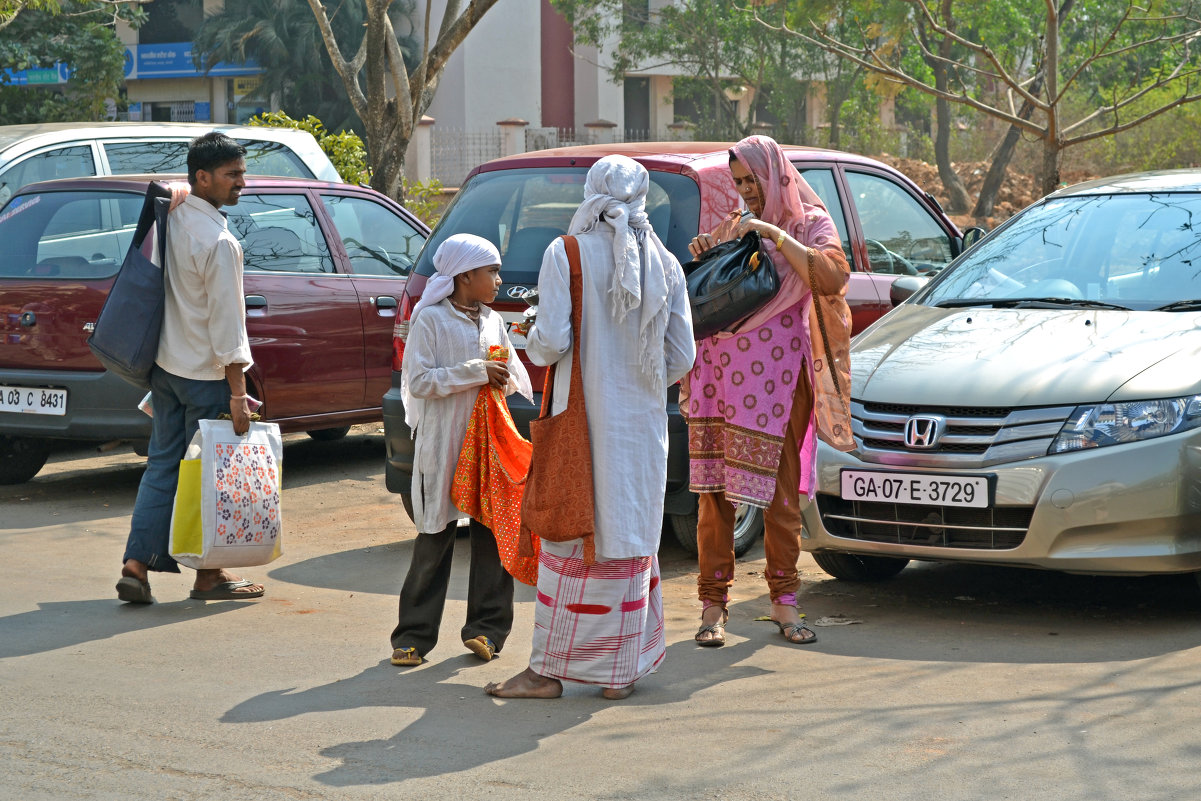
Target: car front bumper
x,y
1128,509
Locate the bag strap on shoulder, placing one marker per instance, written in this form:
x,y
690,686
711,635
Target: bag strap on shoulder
x,y
576,391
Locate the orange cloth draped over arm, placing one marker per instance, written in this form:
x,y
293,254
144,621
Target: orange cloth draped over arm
x,y
490,476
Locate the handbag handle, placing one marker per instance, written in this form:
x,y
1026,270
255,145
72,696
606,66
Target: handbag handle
x,y
821,321
575,393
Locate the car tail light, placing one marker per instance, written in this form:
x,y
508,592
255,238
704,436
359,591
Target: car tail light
x,y
400,331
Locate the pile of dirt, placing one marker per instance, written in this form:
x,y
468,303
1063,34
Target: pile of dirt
x,y
1017,191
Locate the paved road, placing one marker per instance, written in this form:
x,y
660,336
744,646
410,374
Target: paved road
x,y
957,683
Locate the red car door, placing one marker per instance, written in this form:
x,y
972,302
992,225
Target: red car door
x,y
379,242
867,293
302,315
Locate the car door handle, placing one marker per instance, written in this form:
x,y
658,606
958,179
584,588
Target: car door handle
x,y
386,302
255,302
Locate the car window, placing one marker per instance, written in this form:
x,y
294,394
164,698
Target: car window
x,y
63,162
79,235
823,183
1139,251
279,233
262,158
522,210
377,240
901,236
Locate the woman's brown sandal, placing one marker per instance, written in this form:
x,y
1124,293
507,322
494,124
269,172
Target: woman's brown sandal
x,y
793,631
717,632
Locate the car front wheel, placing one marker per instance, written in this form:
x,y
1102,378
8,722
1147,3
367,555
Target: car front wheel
x,y
748,525
856,567
21,458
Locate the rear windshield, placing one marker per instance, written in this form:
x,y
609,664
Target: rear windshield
x,y
79,235
521,211
262,158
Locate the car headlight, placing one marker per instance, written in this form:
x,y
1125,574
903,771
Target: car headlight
x,y
1101,424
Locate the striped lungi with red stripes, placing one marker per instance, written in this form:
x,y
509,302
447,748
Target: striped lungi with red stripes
x,y
600,623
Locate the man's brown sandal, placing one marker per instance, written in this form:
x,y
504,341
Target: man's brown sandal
x,y
717,630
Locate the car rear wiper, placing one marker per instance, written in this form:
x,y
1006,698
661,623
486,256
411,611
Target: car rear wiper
x,y
1181,305
1026,303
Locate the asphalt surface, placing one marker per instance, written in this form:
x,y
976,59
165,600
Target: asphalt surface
x,y
951,682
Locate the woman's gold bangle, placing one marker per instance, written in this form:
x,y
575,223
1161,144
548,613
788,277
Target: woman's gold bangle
x,y
780,239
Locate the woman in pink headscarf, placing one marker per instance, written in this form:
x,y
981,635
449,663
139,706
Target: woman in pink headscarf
x,y
750,399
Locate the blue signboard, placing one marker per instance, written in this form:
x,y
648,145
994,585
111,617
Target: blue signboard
x,y
202,112
172,60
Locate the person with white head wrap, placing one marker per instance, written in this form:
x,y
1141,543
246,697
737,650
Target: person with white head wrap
x,y
451,332
635,340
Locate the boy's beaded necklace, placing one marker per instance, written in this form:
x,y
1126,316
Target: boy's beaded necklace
x,y
472,312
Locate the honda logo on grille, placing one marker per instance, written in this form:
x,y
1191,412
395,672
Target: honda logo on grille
x,y
922,432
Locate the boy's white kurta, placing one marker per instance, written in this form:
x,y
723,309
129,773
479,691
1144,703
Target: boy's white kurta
x,y
627,416
444,365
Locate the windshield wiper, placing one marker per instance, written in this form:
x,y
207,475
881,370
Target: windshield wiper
x,y
1010,303
1181,305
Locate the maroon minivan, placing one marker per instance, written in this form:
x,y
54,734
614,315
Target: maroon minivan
x,y
325,270
889,228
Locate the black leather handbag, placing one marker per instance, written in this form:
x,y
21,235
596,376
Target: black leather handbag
x,y
729,283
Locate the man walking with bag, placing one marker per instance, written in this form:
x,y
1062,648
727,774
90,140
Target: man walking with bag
x,y
199,372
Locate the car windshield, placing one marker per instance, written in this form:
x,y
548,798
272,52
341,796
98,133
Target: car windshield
x,y
1134,251
521,211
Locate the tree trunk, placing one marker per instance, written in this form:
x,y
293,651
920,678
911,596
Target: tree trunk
x,y
957,196
1052,151
997,170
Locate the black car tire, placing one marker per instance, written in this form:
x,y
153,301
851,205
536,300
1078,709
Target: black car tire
x,y
748,525
857,567
329,434
21,458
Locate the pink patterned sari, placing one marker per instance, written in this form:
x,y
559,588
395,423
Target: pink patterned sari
x,y
741,390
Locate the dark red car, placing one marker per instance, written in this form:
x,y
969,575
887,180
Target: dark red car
x,y
888,225
325,270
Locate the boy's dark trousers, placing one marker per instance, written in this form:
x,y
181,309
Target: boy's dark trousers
x,y
423,595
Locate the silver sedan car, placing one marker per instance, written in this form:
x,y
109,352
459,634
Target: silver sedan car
x,y
1038,404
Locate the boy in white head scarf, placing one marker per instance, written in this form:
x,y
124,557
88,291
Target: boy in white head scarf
x,y
451,332
602,623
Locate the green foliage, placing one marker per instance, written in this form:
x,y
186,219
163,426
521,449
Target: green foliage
x,y
349,156
78,33
426,200
345,149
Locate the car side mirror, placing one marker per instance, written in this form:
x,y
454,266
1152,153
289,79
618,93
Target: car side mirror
x,y
973,235
905,286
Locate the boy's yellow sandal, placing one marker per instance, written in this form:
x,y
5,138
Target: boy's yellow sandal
x,y
406,657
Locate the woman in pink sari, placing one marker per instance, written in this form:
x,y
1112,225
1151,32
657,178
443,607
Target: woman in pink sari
x,y
750,400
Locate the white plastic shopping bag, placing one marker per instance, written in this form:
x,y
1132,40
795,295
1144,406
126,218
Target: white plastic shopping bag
x,y
227,510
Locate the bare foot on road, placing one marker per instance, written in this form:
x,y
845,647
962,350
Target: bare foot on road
x,y
526,684
617,693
